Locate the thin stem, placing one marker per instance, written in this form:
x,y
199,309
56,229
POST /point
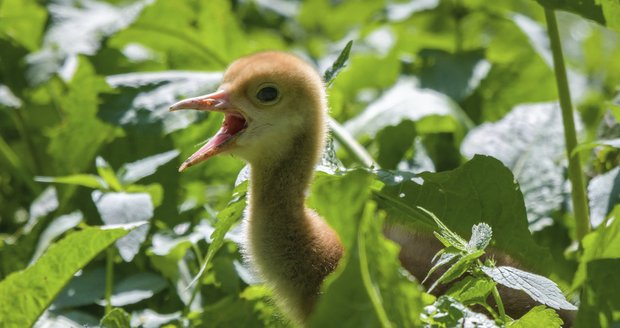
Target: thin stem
x,y
575,171
109,278
350,144
201,261
500,304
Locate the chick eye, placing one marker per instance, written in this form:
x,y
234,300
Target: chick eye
x,y
267,94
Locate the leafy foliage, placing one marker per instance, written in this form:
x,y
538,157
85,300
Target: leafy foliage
x,y
426,93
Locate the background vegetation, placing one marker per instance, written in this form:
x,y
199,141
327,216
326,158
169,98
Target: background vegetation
x,y
88,154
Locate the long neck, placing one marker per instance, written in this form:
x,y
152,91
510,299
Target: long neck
x,y
278,188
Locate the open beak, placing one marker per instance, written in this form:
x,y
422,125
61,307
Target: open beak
x,y
234,124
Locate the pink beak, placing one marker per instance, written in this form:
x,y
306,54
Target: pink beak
x,y
233,125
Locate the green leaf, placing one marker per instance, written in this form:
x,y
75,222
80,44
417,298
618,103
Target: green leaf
x,y
448,312
590,9
471,290
26,294
539,316
482,190
457,269
541,289
604,195
117,318
107,174
22,21
529,141
601,305
340,63
84,180
122,208
143,99
135,288
368,287
394,142
481,235
56,228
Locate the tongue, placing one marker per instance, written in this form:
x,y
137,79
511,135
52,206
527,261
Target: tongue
x,y
215,145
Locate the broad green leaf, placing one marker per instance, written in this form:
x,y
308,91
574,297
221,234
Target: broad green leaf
x,y
448,312
470,290
84,180
466,70
78,27
601,305
406,100
529,141
132,172
24,295
117,318
394,142
603,243
107,174
604,195
539,316
482,190
121,208
22,21
85,288
76,141
541,289
144,98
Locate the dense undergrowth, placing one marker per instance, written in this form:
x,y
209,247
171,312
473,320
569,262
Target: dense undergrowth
x,y
456,103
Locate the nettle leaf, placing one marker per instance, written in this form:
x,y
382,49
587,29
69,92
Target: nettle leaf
x,y
132,172
78,27
24,295
59,226
481,235
539,316
144,98
120,208
529,141
448,312
471,290
85,288
406,100
457,269
481,190
541,289
604,194
117,318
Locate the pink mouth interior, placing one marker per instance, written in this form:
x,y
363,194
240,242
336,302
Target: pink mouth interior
x,y
232,125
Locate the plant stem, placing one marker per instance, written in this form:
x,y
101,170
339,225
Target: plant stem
x,y
500,304
575,171
201,262
350,144
109,278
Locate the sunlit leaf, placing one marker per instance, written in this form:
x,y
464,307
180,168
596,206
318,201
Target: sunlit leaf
x,y
56,228
117,318
604,195
121,208
135,288
132,172
24,295
538,316
448,312
530,141
538,287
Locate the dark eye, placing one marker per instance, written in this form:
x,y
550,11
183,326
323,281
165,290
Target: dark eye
x,y
267,94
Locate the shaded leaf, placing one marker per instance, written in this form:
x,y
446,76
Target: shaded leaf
x,y
135,288
56,228
338,65
541,289
84,180
470,290
448,312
